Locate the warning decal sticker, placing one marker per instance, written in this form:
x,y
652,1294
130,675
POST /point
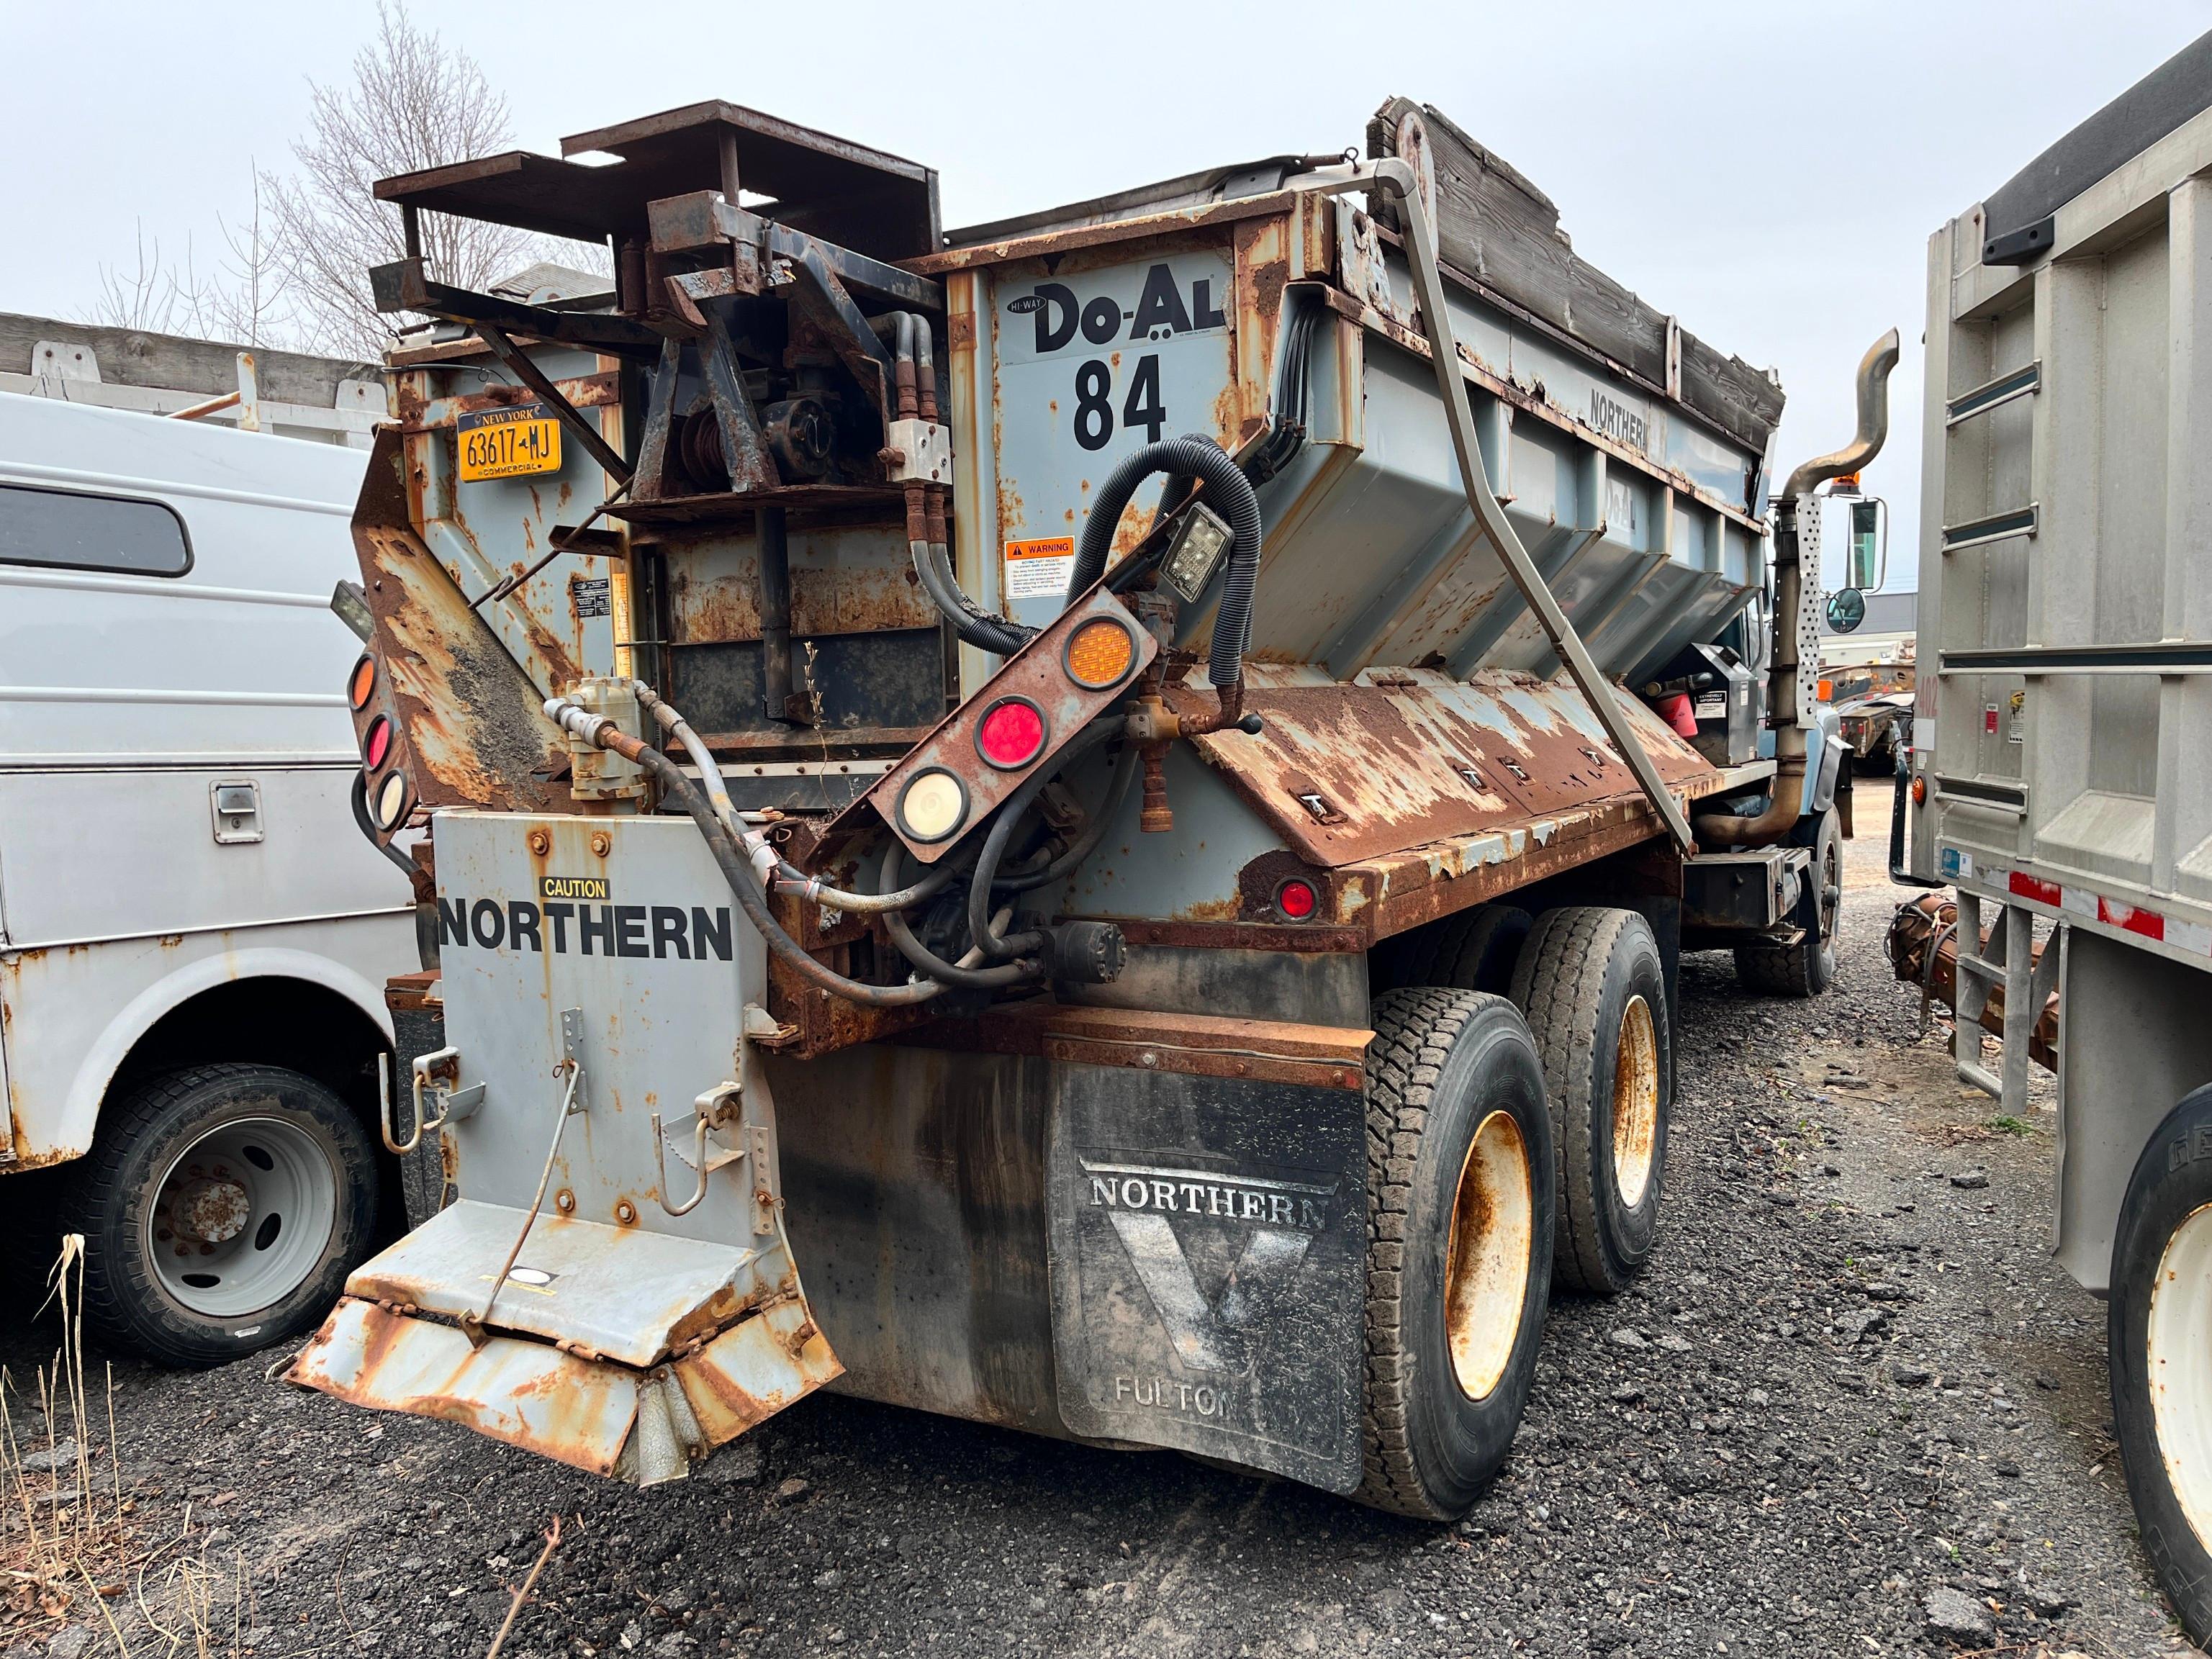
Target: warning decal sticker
x,y
1040,570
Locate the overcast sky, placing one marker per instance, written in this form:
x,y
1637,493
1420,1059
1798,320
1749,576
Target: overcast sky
x,y
1769,173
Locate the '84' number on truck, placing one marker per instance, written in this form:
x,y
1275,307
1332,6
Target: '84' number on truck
x,y
1066,322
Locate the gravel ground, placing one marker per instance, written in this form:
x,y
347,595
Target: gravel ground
x,y
1851,1395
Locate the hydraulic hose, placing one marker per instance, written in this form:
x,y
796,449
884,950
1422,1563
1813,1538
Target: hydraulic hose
x,y
744,878
1125,774
1002,830
964,973
789,878
932,568
1229,489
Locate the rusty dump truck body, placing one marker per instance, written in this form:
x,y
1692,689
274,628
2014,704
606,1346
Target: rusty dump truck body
x,y
812,531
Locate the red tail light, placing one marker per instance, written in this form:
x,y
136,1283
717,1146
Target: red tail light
x,y
1296,900
1011,733
377,744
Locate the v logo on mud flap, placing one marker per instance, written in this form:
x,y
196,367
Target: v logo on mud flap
x,y
1284,1215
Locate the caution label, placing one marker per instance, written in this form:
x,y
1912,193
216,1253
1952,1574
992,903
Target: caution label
x,y
1040,570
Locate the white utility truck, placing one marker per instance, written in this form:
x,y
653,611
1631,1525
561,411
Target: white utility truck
x,y
194,939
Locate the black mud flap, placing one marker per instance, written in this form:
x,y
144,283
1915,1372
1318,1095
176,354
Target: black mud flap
x,y
1209,1242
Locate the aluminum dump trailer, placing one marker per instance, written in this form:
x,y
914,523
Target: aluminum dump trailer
x,y
2057,777
1085,823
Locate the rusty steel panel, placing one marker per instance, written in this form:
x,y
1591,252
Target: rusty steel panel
x,y
754,1370
476,734
527,1393
630,1294
714,589
1408,758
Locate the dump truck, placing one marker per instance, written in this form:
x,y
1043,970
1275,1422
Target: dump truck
x,y
2057,778
1085,824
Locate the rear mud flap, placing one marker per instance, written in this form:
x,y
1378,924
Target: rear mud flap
x,y
1209,1245
627,1353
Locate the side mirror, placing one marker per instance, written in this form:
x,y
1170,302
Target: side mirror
x,y
1846,611
1866,557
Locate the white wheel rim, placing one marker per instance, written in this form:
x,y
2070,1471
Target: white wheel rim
x,y
1635,1103
2179,1341
1487,1255
241,1217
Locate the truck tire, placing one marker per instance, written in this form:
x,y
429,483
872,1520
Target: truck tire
x,y
1809,967
2159,1331
1459,1216
221,1208
1594,991
1481,957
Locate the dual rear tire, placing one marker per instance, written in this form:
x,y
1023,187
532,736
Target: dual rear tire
x,y
1512,1144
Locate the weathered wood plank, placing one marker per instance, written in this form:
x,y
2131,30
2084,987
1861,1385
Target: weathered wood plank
x,y
1497,227
174,363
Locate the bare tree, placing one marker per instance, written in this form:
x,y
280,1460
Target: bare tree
x,y
151,295
412,103
248,305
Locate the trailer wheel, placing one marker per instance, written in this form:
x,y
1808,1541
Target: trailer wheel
x,y
1459,1214
2159,1333
221,1208
1809,967
1593,990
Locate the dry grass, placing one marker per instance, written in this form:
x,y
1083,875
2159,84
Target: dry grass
x,y
73,1549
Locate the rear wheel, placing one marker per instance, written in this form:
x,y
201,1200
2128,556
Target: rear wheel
x,y
1460,1243
2159,1332
1593,990
1809,967
221,1208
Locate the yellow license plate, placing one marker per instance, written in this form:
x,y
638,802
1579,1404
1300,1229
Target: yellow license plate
x,y
508,443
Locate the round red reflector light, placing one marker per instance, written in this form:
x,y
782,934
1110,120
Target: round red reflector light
x,y
361,683
378,743
1011,732
1297,900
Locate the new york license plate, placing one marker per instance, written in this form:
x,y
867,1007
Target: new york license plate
x,y
508,443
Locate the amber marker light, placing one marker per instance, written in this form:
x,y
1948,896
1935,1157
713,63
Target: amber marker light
x,y
361,683
1100,654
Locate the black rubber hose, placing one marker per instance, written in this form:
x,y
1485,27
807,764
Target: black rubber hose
x,y
1002,830
986,632
1125,774
928,962
1231,492
743,883
368,827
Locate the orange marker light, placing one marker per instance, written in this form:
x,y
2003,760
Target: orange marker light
x,y
361,683
1100,654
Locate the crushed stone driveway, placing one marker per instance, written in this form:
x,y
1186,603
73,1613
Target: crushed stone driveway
x,y
1851,1408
